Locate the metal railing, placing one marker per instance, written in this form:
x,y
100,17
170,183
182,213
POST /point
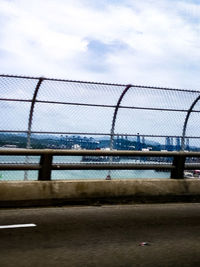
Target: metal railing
x,y
117,100
141,115
46,164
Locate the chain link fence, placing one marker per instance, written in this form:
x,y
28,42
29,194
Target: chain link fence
x,y
64,114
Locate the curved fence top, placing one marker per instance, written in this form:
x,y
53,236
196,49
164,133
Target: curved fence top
x,y
149,116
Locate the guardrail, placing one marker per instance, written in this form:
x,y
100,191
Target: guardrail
x,y
46,164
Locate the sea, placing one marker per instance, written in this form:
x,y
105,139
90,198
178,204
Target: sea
x,y
74,174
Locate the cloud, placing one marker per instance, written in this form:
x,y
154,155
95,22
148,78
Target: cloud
x,y
149,42
119,41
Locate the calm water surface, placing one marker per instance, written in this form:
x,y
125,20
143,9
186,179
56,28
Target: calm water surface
x,y
74,174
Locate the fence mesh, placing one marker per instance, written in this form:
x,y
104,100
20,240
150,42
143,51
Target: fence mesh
x,y
65,114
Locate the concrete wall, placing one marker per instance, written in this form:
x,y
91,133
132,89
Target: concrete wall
x,y
30,193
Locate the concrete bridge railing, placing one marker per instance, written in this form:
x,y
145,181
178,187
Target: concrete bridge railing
x,y
96,192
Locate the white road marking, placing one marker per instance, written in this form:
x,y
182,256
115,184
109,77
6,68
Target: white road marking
x,y
17,225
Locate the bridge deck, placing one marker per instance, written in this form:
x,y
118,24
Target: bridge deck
x,y
102,236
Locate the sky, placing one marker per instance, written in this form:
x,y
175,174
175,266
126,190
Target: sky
x,y
139,42
148,42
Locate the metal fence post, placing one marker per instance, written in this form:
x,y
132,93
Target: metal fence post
x,y
179,164
31,112
186,121
115,115
113,124
46,165
28,144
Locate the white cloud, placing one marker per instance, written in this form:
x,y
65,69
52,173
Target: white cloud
x,y
149,42
152,42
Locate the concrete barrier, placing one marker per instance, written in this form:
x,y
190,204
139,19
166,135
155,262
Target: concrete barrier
x,y
31,193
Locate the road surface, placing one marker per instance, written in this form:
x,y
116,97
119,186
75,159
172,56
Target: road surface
x,y
101,236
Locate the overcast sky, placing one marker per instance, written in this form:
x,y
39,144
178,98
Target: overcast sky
x,y
151,42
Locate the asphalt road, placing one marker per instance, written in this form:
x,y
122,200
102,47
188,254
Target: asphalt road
x,y
102,236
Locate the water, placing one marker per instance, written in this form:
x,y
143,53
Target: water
x,y
74,174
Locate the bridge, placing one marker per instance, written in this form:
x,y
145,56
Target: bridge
x,y
49,126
